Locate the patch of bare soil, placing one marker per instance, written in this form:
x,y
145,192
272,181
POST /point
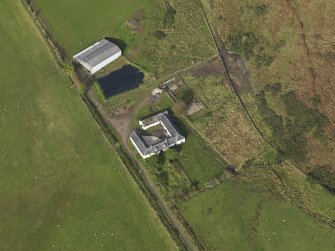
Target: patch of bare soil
x,y
122,121
195,107
135,23
237,70
213,68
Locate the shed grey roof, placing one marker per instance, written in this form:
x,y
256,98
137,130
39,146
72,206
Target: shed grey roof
x,y
97,53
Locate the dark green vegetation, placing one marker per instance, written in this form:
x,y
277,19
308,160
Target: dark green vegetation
x,y
62,185
325,176
289,134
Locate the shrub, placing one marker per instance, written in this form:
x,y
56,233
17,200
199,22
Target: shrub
x,y
263,60
169,16
290,138
260,9
325,176
160,34
243,43
273,88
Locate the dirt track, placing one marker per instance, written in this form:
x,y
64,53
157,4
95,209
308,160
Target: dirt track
x,y
122,124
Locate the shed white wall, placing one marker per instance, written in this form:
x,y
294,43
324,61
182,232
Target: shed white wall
x,y
143,156
148,126
104,63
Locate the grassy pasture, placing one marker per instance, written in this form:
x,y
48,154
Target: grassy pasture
x,y
227,126
238,217
184,38
77,24
62,186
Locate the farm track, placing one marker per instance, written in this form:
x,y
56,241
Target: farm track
x,y
173,220
177,226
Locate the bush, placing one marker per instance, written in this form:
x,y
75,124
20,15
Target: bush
x,y
304,117
243,43
169,16
160,34
273,88
325,176
290,138
187,97
260,9
291,144
263,60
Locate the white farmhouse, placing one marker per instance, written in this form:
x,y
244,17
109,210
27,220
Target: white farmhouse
x,y
148,145
97,56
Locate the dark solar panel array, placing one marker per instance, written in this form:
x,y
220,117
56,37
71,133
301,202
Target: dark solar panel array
x,y
124,79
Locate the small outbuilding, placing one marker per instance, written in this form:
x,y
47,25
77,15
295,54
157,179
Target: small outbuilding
x,y
97,56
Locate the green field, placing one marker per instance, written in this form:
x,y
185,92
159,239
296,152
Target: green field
x,y
77,24
237,217
169,35
226,126
62,186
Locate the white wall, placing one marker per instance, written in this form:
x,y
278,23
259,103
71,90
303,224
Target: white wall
x,y
104,63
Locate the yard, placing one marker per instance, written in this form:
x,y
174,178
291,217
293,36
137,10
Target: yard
x,y
62,185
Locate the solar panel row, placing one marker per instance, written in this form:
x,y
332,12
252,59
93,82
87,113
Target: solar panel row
x,y
124,79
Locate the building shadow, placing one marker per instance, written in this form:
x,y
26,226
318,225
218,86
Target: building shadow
x,y
120,43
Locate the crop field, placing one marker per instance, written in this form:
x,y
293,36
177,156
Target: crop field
x,y
247,216
160,36
287,46
62,185
227,126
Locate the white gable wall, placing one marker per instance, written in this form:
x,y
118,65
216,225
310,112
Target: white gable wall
x,y
104,63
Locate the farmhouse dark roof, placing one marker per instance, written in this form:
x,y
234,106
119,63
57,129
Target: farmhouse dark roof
x,y
146,148
98,53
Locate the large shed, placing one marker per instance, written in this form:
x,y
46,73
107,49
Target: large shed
x,y
97,56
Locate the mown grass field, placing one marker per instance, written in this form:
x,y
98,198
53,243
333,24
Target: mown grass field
x,y
169,35
242,217
77,24
62,185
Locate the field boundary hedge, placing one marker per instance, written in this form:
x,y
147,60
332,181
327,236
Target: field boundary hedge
x,y
43,25
110,136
